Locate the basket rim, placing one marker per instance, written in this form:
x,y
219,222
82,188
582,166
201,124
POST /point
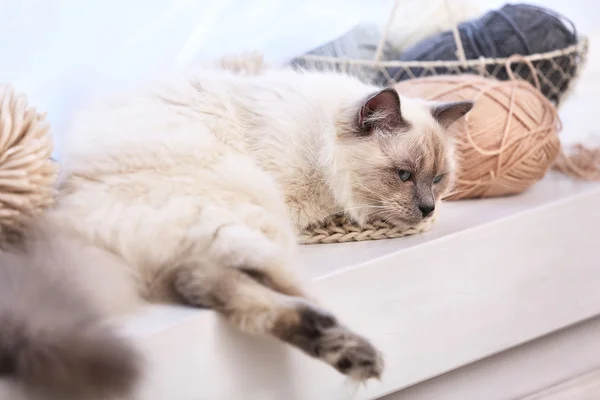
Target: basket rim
x,y
580,47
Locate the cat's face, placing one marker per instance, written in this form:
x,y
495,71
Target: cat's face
x,y
397,157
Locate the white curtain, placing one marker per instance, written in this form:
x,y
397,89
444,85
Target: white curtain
x,y
59,52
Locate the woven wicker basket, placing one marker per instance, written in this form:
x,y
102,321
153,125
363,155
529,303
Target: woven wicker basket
x,y
552,72
538,69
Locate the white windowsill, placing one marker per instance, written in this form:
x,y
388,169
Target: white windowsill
x,y
489,275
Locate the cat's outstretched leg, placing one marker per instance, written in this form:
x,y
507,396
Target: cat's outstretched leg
x,y
257,309
238,266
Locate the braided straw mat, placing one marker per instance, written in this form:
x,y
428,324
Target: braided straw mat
x,y
340,229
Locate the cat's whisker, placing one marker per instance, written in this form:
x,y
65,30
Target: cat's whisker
x,y
385,204
345,210
383,215
379,196
386,218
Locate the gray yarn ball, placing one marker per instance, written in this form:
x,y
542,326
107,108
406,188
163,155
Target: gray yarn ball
x,y
514,29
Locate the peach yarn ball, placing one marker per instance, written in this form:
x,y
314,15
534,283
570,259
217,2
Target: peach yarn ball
x,y
510,139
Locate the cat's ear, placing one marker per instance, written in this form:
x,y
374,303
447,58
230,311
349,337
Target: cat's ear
x,y
380,110
448,113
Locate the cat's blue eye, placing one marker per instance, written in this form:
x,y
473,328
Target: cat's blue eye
x,y
404,175
438,178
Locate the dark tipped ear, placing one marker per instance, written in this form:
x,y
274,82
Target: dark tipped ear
x,y
448,113
382,110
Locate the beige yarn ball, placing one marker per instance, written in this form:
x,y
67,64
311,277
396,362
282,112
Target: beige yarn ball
x,y
27,173
510,139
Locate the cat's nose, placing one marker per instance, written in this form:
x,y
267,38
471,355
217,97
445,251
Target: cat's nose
x,y
426,209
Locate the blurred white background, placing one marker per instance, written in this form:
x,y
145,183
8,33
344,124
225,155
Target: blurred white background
x,y
61,52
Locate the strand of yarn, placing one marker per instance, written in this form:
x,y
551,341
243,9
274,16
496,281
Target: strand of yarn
x,y
582,162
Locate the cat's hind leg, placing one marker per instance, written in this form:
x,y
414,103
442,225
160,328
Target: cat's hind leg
x,y
261,252
257,309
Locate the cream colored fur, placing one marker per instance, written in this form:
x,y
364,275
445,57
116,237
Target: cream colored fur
x,y
196,187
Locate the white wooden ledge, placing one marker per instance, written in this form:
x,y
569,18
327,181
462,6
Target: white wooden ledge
x,y
491,274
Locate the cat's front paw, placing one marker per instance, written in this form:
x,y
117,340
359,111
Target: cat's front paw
x,y
357,358
319,334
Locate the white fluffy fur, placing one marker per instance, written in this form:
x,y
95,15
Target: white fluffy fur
x,y
211,174
149,175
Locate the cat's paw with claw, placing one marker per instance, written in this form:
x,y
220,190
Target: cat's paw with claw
x,y
359,359
320,335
